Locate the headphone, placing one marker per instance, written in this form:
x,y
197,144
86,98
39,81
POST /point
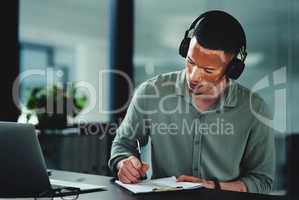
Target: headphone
x,y
236,66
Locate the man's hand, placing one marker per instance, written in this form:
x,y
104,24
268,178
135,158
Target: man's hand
x,y
205,183
131,169
237,186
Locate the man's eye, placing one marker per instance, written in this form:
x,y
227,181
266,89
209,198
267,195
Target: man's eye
x,y
208,71
189,61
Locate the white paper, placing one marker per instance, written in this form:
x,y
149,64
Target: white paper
x,y
168,183
82,186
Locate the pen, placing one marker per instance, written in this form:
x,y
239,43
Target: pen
x,y
167,189
139,157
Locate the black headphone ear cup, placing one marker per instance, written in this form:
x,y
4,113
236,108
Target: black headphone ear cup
x,y
235,68
184,47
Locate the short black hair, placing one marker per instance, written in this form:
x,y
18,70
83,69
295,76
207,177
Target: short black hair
x,y
220,31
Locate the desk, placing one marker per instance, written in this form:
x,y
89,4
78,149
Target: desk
x,y
116,193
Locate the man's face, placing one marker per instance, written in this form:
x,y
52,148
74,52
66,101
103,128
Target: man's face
x,y
205,69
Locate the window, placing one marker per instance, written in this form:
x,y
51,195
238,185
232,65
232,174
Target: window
x,y
69,37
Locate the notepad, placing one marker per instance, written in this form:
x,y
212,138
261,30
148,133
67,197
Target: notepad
x,y
159,185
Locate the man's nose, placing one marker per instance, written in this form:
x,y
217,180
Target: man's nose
x,y
196,75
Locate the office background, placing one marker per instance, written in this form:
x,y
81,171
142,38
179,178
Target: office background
x,y
75,37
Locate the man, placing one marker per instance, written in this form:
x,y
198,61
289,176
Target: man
x,y
200,120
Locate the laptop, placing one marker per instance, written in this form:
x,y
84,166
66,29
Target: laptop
x,y
23,171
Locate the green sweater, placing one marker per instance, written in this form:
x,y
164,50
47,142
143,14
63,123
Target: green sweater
x,y
226,143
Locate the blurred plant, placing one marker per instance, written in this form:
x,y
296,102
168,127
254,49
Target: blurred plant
x,y
55,102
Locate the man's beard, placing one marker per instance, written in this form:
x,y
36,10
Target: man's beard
x,y
207,90
204,90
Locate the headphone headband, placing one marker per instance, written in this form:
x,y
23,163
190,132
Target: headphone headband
x,y
236,66
242,51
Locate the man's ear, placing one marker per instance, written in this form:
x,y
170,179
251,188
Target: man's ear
x,y
231,56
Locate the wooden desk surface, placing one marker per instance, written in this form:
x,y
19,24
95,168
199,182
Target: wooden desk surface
x,y
114,192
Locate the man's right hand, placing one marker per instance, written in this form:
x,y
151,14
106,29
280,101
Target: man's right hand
x,y
131,169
